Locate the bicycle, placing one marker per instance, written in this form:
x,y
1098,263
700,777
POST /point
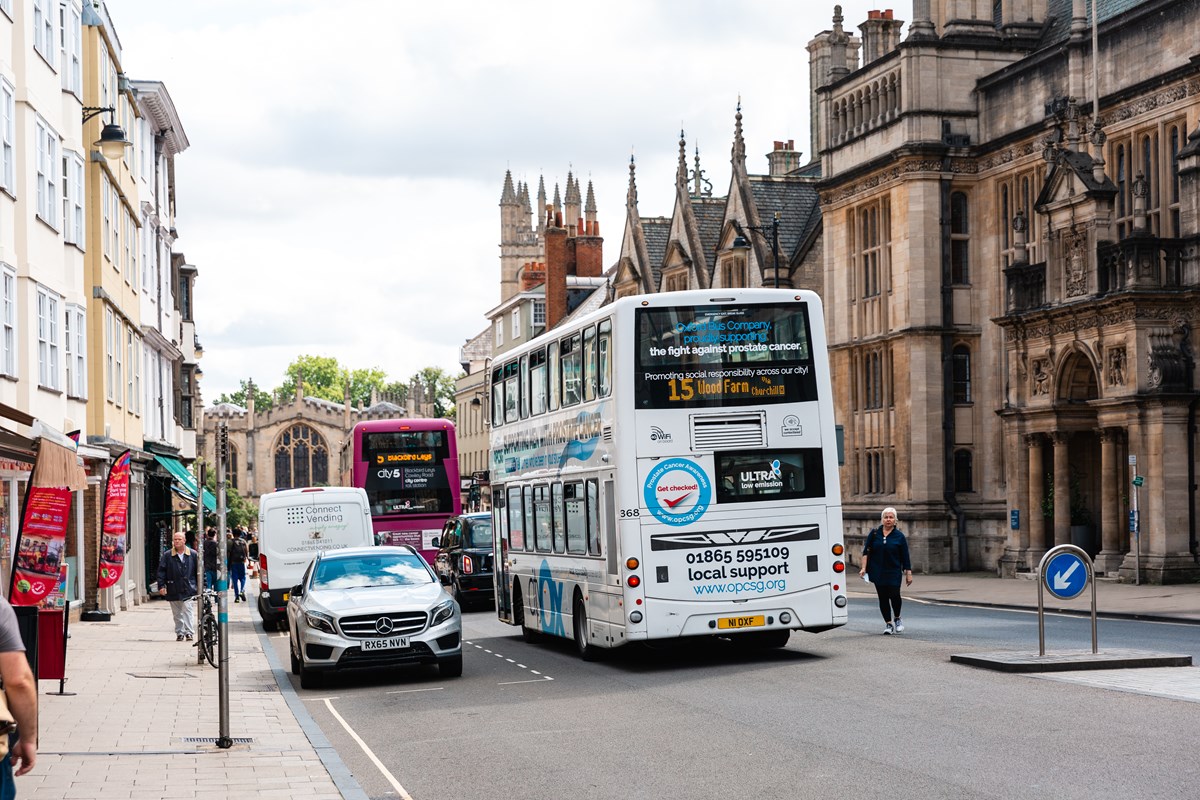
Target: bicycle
x,y
210,633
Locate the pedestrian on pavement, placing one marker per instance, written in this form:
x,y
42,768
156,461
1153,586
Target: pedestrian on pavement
x,y
236,556
21,691
252,551
177,583
210,559
886,549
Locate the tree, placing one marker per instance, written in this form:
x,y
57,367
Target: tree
x,y
262,400
325,378
438,388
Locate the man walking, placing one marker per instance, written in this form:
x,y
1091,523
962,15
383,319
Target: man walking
x,y
177,583
210,559
237,567
21,690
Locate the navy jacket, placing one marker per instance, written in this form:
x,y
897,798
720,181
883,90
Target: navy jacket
x,y
178,575
887,556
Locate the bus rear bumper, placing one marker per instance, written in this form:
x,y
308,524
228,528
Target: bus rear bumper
x,y
812,609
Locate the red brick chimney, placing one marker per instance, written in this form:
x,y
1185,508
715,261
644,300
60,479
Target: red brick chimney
x,y
559,259
589,256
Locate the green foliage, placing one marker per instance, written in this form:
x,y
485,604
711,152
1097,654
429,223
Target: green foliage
x,y
437,381
262,400
238,510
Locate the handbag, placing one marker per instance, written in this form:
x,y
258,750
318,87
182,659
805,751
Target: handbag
x,y
8,724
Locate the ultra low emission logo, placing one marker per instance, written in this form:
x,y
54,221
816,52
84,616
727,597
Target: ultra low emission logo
x,y
677,492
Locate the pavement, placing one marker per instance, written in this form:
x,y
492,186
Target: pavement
x,y
144,716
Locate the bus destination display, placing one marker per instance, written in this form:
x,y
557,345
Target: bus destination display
x,y
723,355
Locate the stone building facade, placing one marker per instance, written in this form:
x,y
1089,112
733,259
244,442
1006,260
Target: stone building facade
x,y
1015,271
293,444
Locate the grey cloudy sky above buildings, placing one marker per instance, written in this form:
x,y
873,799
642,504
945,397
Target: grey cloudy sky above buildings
x,y
340,193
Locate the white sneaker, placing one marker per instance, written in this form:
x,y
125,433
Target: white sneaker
x,y
899,626
887,631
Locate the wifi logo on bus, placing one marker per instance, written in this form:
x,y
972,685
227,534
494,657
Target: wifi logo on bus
x,y
657,434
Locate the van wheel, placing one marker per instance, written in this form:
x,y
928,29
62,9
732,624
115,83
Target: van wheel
x,y
583,644
518,605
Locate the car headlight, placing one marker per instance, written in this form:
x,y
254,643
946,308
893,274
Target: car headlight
x,y
441,613
322,622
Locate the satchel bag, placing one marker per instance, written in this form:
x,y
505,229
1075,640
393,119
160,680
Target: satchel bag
x,y
7,724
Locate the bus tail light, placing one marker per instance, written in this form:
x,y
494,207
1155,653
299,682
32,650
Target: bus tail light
x,y
632,563
468,566
634,581
262,572
839,566
838,549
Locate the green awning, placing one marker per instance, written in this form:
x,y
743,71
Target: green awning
x,y
187,482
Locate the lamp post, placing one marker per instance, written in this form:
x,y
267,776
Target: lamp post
x,y
112,141
740,242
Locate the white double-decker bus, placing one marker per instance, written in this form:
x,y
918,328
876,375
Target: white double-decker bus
x,y
667,467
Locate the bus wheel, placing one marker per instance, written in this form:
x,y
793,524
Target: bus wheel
x,y
518,611
587,650
776,638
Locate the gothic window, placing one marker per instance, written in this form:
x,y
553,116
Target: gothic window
x,y
1122,189
1174,134
960,241
961,369
1017,193
301,459
733,273
675,281
963,479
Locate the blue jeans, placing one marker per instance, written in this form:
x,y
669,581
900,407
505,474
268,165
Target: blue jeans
x,y
237,578
8,786
210,579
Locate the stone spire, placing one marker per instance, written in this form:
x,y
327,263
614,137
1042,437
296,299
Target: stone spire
x,y
526,209
838,40
573,201
508,196
589,206
681,170
631,194
703,186
739,145
541,205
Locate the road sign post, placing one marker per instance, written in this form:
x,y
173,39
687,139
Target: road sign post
x,y
1065,571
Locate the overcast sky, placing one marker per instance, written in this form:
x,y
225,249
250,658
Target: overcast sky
x,y
340,193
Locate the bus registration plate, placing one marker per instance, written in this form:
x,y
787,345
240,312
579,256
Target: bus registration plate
x,y
394,643
736,623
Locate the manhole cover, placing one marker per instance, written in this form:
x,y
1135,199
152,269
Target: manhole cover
x,y
213,740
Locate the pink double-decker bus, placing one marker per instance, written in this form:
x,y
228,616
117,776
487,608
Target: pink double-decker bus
x,y
409,468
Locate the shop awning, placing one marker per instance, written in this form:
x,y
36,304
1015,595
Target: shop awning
x,y
186,482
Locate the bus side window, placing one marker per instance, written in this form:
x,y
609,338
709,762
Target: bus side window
x,y
552,375
524,387
516,523
560,528
497,397
541,518
572,370
605,359
576,512
593,517
512,391
589,363
537,381
527,500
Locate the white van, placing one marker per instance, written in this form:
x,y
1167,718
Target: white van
x,y
296,524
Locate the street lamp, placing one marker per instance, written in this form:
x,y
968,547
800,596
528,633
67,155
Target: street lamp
x,y
740,242
112,141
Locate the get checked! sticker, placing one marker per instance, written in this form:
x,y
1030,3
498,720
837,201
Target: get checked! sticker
x,y
677,492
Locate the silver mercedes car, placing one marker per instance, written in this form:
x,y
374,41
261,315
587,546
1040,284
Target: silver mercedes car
x,y
370,607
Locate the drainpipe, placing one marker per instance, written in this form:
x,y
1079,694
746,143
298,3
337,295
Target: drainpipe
x,y
948,429
1189,364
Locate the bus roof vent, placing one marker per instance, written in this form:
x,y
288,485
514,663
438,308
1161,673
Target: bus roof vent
x,y
719,432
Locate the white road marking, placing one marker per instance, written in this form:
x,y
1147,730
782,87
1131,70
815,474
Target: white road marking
x,y
374,760
539,679
410,691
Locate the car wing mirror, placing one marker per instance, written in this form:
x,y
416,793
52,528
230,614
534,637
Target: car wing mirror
x,y
436,542
298,590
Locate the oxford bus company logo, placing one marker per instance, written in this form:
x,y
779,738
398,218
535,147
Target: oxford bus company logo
x,y
657,434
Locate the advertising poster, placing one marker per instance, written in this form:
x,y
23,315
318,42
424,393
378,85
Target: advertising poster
x,y
56,598
116,517
40,547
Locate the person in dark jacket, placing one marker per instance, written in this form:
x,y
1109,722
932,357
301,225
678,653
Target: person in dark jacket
x,y
210,559
236,555
886,549
177,583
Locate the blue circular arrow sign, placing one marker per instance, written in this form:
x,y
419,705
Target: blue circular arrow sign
x,y
1066,576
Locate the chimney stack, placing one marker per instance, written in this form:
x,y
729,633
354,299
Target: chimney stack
x,y
784,158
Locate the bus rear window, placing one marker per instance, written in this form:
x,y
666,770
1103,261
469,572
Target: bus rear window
x,y
701,356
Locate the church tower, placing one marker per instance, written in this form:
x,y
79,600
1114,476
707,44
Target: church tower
x,y
518,239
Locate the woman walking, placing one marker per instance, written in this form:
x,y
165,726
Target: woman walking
x,y
886,550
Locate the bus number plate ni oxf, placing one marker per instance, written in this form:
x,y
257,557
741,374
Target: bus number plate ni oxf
x,y
737,623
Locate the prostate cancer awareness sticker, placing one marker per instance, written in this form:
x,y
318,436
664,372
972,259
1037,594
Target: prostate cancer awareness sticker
x,y
677,492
